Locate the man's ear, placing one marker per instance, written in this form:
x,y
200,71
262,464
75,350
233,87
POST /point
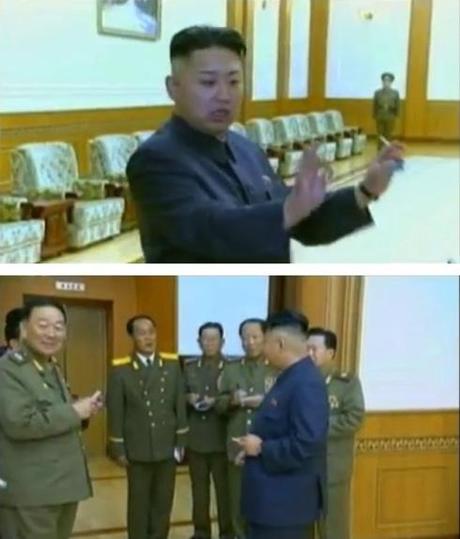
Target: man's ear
x,y
171,85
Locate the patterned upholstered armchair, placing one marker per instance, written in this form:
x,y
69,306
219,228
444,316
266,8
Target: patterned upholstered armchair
x,y
239,128
289,138
49,171
142,136
109,155
20,239
260,131
319,129
336,124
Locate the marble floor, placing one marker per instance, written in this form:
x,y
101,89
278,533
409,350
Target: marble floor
x,y
126,248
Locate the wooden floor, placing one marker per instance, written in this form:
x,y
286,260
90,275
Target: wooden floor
x,y
126,248
104,515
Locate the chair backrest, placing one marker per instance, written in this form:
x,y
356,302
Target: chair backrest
x,y
239,128
285,131
142,136
302,126
260,131
109,155
335,120
320,123
44,167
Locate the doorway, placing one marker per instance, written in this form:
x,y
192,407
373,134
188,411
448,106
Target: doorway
x,y
85,358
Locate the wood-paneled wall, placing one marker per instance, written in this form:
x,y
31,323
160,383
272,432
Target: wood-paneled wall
x,y
332,302
126,296
405,482
420,119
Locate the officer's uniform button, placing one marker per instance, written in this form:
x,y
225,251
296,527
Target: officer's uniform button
x,y
148,403
162,401
153,425
150,414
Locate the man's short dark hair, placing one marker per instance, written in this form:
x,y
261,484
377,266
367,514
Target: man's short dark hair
x,y
389,75
130,323
288,319
251,321
194,38
330,338
211,325
12,320
37,303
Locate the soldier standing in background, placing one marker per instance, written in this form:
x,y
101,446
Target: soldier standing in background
x,y
147,428
206,447
386,108
242,388
346,403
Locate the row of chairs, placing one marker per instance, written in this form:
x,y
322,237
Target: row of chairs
x,y
284,138
102,204
48,171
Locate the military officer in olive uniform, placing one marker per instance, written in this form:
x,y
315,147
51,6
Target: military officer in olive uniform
x,y
346,403
242,388
386,108
207,451
147,428
43,463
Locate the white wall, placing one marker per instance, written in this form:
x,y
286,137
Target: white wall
x,y
228,300
409,349
359,50
444,70
300,48
52,57
265,58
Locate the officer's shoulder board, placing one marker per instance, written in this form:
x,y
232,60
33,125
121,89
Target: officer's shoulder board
x,y
121,361
16,357
169,356
343,376
191,360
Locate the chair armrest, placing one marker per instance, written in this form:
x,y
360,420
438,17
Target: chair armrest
x,y
12,208
90,189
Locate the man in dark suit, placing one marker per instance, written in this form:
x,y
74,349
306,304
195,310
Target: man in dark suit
x,y
206,194
284,481
11,331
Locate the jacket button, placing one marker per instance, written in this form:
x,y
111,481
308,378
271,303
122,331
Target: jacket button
x,y
153,425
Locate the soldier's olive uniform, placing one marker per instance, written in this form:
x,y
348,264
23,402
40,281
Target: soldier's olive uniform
x,y
386,110
346,403
207,452
147,420
42,458
255,377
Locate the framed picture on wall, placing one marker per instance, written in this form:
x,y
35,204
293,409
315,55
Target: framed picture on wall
x,y
139,19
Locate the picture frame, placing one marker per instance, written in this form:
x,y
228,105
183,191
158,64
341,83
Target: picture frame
x,y
137,19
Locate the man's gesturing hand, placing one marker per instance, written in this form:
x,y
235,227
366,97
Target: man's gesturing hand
x,y
309,190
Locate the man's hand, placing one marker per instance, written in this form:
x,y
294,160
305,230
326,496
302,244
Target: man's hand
x,y
88,406
122,461
309,190
252,401
251,444
381,170
209,401
238,397
179,453
192,398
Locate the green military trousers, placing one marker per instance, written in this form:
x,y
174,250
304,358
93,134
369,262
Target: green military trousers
x,y
42,522
336,525
385,128
150,498
234,482
203,466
